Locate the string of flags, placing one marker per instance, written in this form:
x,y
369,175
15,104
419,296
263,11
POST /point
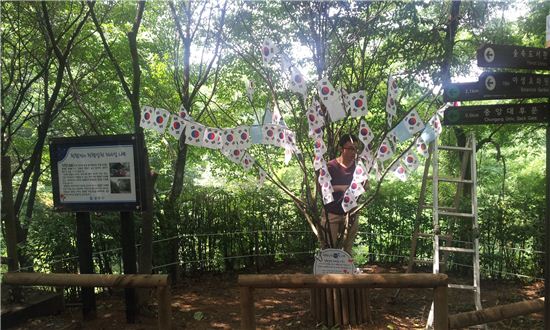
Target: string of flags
x,y
370,161
234,142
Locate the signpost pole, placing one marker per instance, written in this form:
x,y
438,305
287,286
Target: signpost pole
x,y
547,237
129,259
84,246
547,217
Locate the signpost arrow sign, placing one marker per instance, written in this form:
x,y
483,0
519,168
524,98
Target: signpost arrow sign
x,y
512,85
514,57
462,92
497,114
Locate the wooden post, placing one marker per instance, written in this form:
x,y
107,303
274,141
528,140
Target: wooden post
x,y
330,306
129,259
165,311
337,306
352,316
322,300
248,320
345,306
85,260
441,308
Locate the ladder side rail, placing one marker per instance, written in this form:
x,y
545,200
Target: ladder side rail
x,y
435,192
475,225
435,202
421,202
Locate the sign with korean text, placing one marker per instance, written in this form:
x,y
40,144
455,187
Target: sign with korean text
x,y
513,85
499,85
96,173
462,92
497,114
517,57
333,261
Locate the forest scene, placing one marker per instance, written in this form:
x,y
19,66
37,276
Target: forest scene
x,y
236,108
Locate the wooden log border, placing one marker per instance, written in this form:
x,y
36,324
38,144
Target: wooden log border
x,y
497,313
160,282
438,282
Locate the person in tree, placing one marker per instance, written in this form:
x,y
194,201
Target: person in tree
x,y
334,218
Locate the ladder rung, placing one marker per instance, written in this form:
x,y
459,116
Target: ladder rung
x,y
461,286
457,214
441,208
455,249
426,261
454,148
456,180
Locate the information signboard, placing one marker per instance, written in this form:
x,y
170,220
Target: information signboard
x,y
96,173
516,57
497,114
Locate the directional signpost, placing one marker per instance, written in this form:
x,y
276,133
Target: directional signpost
x,y
503,56
500,85
497,114
509,85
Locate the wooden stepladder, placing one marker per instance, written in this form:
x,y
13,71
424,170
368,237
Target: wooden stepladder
x,y
450,217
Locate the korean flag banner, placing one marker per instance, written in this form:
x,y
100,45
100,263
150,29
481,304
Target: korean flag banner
x,y
400,171
413,122
356,188
212,138
410,160
298,83
360,174
392,87
242,137
384,151
229,139
280,136
146,117
357,104
349,201
332,100
176,126
234,155
194,134
249,89
318,162
422,147
314,117
269,49
269,133
184,114
247,161
160,120
365,133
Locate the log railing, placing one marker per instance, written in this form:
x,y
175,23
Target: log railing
x,y
438,282
160,282
497,313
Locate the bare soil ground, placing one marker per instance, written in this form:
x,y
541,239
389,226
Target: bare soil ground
x,y
211,301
